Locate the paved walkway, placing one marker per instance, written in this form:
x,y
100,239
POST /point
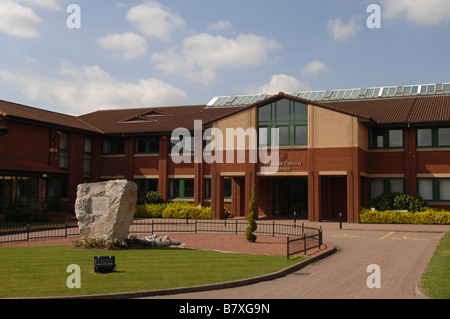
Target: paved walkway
x,y
401,251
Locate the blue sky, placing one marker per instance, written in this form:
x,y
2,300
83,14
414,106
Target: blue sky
x,y
138,53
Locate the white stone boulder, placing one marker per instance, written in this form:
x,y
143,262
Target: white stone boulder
x,y
106,210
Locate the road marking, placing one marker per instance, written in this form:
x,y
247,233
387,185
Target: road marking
x,y
386,236
409,238
345,236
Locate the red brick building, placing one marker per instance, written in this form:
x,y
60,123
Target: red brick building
x,y
338,149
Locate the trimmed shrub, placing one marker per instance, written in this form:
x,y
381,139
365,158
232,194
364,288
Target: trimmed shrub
x,y
150,210
25,211
249,235
384,201
410,203
151,198
397,201
427,217
175,210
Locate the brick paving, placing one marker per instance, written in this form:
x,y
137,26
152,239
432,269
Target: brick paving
x,y
401,251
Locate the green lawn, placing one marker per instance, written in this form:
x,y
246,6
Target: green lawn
x,y
436,280
41,271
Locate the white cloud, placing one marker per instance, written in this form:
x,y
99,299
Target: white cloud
x,y
220,25
342,32
83,90
201,56
314,68
154,20
46,4
283,83
430,12
128,45
18,21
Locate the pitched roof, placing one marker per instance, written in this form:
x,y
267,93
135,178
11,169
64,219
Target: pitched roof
x,y
417,110
152,120
282,95
23,165
23,112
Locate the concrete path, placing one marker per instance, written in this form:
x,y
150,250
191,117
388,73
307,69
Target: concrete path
x,y
401,251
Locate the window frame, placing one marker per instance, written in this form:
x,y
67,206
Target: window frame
x,y
115,150
181,188
386,185
292,122
435,188
64,152
148,141
435,143
373,135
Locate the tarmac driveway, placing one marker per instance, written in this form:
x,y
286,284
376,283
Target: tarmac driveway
x,y
402,253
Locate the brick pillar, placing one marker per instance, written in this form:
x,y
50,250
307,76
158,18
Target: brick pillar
x,y
217,193
162,166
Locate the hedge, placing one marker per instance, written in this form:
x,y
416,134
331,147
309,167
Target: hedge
x,y
173,211
428,217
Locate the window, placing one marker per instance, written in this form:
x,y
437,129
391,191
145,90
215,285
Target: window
x,y
227,188
87,160
433,137
424,137
386,139
64,151
181,188
146,185
147,145
187,144
289,117
444,137
379,186
434,189
114,146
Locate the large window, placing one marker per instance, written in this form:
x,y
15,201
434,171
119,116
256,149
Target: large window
x,y
433,137
64,151
147,145
386,139
289,117
181,188
114,146
379,186
434,189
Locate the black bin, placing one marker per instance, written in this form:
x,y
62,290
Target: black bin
x,y
104,264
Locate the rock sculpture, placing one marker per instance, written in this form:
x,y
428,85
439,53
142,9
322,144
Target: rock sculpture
x,y
106,210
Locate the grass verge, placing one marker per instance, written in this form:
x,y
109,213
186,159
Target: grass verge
x,y
436,280
42,271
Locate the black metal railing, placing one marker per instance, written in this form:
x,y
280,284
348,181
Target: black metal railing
x,y
300,239
30,232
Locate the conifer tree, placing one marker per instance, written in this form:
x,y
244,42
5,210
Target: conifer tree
x,y
249,235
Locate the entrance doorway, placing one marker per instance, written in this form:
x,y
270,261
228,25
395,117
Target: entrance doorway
x,y
333,197
291,195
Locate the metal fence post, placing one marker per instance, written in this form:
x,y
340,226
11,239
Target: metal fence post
x,y
287,247
273,228
196,225
304,243
28,232
236,226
